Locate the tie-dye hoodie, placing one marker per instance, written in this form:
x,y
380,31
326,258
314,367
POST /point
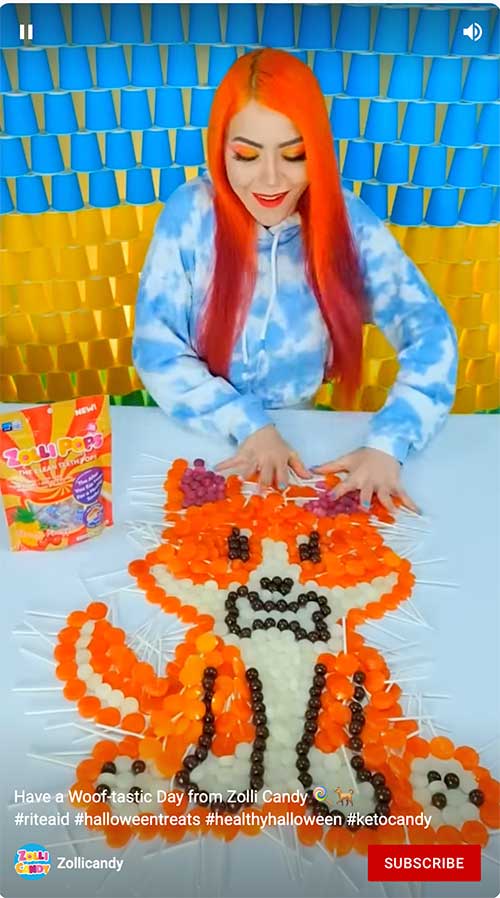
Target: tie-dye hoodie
x,y
279,359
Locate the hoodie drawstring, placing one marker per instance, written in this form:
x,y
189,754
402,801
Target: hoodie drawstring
x,y
274,284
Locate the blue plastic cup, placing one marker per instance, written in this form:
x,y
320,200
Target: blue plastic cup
x,y
328,70
344,117
488,129
391,34
60,117
120,150
494,45
189,147
363,79
430,169
462,45
299,54
103,191
74,68
146,66
495,207
466,167
34,70
353,32
6,204
315,28
382,121
126,23
408,208
100,112
9,26
201,104
111,66
85,151
169,109
12,157
182,69
87,24
481,83
491,170
46,154
156,149
443,207
419,123
431,34
66,193
375,196
347,185
445,80
170,179
140,189
19,115
476,206
459,129
394,163
219,61
278,29
135,112
241,24
358,162
48,24
30,194
204,24
166,23
406,78
5,82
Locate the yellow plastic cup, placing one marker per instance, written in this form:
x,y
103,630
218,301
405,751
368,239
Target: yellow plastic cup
x,y
137,250
481,371
59,386
38,358
372,398
88,383
89,226
469,311
473,341
54,229
376,344
50,328
126,288
487,275
451,243
123,352
113,322
148,215
41,266
484,242
123,223
11,360
118,381
110,260
29,388
460,279
34,297
465,400
491,307
81,325
18,232
12,266
488,396
97,291
18,329
421,243
65,296
494,337
8,391
387,372
70,357
73,263
100,355
435,274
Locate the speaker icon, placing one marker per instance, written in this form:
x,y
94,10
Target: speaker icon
x,y
474,31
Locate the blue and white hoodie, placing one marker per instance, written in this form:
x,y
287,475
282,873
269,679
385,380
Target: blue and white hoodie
x,y
279,359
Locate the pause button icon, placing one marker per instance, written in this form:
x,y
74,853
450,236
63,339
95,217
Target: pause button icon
x,y
26,31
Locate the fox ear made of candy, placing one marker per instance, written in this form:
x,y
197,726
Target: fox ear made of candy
x,y
272,689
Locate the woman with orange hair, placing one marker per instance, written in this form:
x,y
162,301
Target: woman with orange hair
x,y
259,277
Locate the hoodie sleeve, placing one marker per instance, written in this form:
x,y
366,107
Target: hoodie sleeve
x,y
162,350
404,307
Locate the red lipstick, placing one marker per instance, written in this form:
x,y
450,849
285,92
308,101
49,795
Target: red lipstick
x,y
270,200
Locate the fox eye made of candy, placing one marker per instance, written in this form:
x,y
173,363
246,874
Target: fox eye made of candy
x,y
238,545
309,548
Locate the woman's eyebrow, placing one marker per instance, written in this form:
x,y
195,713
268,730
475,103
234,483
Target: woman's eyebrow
x,y
260,146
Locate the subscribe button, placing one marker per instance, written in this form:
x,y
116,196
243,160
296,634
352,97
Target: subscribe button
x,y
424,863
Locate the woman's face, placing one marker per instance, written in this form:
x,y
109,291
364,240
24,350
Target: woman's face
x,y
265,163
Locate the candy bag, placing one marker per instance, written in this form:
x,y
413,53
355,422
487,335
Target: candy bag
x,y
55,473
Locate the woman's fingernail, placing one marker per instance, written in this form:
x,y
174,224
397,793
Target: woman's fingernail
x,y
282,485
365,503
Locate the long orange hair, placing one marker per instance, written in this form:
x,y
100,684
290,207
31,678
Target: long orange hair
x,y
282,82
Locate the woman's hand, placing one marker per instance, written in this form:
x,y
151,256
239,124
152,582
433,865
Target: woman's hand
x,y
265,451
370,471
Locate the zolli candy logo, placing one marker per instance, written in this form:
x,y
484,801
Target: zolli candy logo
x,y
32,861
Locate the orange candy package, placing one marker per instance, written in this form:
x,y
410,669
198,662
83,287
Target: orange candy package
x,y
55,473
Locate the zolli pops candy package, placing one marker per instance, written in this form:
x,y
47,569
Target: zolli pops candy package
x,y
55,473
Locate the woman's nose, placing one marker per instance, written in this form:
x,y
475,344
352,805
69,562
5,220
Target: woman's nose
x,y
271,172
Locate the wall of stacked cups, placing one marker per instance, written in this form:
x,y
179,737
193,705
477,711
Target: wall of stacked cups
x,y
104,113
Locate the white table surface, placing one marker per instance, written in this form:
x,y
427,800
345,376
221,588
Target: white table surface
x,y
456,483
